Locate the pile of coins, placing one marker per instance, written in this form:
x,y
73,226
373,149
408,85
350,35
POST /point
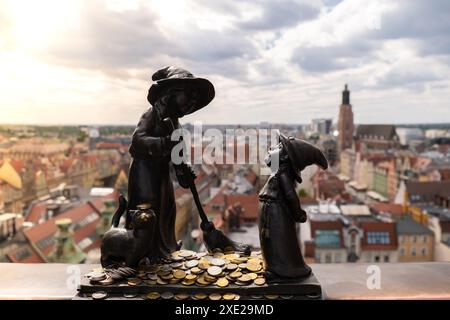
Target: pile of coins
x,y
189,268
203,269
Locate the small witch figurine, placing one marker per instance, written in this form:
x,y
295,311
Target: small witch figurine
x,y
280,209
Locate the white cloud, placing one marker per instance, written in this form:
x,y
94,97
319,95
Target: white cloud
x,y
281,61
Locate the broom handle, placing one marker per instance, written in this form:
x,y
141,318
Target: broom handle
x,y
197,202
192,187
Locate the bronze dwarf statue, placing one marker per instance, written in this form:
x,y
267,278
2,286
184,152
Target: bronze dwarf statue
x,y
280,209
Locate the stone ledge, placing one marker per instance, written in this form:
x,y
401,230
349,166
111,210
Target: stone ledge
x,y
428,280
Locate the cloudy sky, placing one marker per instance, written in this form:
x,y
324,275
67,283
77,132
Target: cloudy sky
x,y
90,62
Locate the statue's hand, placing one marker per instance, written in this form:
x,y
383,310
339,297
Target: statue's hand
x,y
301,216
168,143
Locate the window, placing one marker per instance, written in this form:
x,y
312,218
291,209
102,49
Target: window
x,y
328,258
413,251
386,258
377,259
424,251
424,239
414,239
337,258
377,237
402,251
327,238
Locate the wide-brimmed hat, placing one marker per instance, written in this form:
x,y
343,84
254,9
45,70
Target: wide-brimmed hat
x,y
302,154
169,76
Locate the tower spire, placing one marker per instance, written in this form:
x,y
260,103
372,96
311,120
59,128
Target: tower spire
x,y
346,95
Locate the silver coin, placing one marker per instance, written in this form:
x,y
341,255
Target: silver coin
x,y
99,276
99,295
176,264
218,262
130,295
214,270
167,295
191,263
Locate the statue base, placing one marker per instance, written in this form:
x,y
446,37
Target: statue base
x,y
205,286
308,288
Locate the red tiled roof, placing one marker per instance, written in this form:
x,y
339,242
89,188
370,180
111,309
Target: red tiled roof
x,y
24,254
217,200
48,229
37,211
392,208
445,174
249,203
18,165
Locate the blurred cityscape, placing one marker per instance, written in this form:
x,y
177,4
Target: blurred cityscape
x,y
385,198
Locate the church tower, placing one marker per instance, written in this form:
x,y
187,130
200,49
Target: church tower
x,y
345,122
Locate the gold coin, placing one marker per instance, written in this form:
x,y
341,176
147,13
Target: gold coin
x,y
196,270
191,277
134,281
252,275
229,296
231,256
161,281
179,274
231,266
203,265
181,296
174,280
215,296
253,267
271,296
214,270
236,274
167,276
202,281
245,278
200,296
153,295
259,281
209,278
254,261
186,282
222,282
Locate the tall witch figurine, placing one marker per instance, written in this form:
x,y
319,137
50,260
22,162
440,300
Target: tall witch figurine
x,y
280,209
175,93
